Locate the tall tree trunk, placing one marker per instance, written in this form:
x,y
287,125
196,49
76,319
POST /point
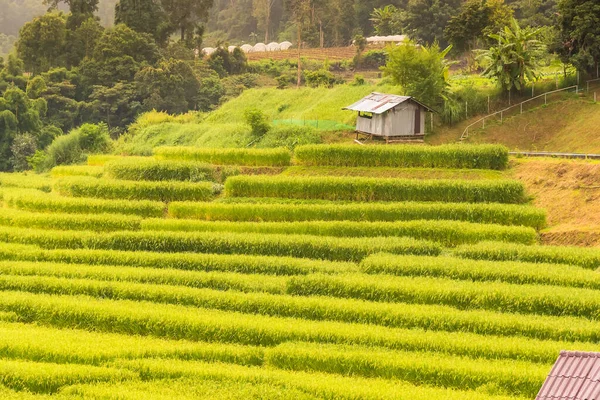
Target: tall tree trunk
x,y
299,44
321,34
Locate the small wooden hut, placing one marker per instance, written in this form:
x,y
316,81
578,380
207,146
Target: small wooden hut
x,y
390,116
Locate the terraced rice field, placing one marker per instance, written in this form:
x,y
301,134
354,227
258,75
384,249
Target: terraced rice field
x,y
186,275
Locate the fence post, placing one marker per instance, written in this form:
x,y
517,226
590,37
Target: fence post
x,y
521,108
466,110
501,116
483,120
545,99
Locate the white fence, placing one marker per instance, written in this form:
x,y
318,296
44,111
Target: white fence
x,y
501,113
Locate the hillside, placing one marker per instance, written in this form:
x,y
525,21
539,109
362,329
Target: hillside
x,y
319,108
566,126
209,273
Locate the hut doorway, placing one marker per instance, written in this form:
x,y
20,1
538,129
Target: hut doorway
x,y
418,120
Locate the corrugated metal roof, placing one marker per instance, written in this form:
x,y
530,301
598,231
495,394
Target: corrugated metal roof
x,y
574,376
378,103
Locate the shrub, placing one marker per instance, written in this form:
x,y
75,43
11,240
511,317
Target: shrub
x,y
22,148
230,156
257,121
321,77
586,258
373,189
449,233
133,190
445,156
71,148
492,213
157,170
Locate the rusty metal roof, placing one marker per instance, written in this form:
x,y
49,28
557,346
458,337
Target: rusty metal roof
x,y
574,376
378,103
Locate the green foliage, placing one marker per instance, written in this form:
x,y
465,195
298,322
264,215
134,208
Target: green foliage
x,y
318,78
476,20
445,156
144,17
373,189
449,233
23,147
132,190
232,156
157,170
41,43
226,63
583,257
387,21
579,24
505,214
514,60
171,87
257,121
422,72
425,20
73,147
317,247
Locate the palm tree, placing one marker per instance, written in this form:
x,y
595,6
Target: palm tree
x,y
385,20
515,58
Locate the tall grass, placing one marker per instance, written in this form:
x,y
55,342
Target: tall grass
x,y
493,213
372,189
135,190
449,233
157,170
445,156
318,247
226,156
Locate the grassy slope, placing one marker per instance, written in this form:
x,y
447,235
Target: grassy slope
x,y
567,126
226,126
304,103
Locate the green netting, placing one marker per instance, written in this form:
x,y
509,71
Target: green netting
x,y
320,124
